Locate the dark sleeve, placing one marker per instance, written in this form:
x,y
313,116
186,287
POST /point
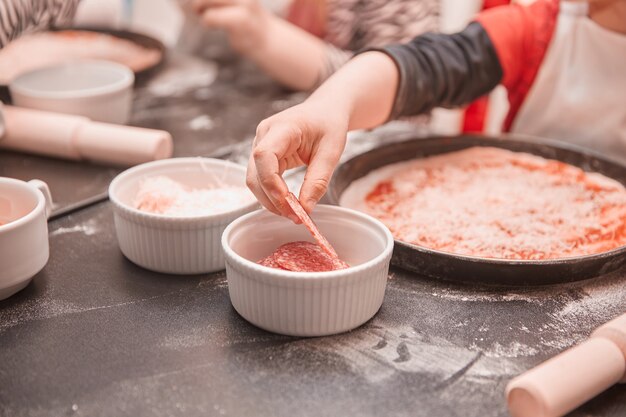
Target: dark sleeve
x,y
438,70
20,16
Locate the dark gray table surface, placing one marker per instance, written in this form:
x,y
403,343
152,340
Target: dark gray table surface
x,y
95,335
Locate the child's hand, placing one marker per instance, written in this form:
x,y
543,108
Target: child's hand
x,y
245,21
307,134
358,96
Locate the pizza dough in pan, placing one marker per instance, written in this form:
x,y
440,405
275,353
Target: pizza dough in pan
x,y
494,203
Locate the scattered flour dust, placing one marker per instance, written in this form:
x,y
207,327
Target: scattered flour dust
x,y
89,228
183,74
581,305
162,195
605,300
35,309
380,350
190,339
202,122
600,296
512,350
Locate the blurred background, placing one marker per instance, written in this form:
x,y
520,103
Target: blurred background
x,y
173,23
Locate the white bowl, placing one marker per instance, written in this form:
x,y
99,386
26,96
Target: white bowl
x,y
169,244
24,210
100,90
307,303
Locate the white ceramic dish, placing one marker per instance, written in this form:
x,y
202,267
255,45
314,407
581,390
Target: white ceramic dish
x,y
307,303
24,210
175,245
100,90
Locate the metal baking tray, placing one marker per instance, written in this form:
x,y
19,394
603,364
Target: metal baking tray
x,y
140,39
478,270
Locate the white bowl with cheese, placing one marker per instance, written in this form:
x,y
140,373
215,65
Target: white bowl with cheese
x,y
165,229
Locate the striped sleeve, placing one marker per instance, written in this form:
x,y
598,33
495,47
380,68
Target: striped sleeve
x,y
19,16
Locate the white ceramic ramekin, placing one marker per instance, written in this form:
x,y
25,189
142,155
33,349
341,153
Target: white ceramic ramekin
x,y
24,210
175,245
100,90
307,303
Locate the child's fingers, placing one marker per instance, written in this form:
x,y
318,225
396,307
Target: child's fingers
x,y
277,144
200,6
224,17
318,174
253,184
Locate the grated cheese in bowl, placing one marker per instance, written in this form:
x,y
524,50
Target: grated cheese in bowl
x,y
163,195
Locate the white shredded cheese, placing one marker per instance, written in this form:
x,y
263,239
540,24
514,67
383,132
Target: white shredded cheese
x,y
495,203
163,195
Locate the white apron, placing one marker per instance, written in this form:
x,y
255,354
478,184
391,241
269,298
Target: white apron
x,y
579,94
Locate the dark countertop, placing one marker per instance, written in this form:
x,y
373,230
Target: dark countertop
x,y
94,334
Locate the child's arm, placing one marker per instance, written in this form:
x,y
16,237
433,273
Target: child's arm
x,y
287,53
292,56
430,71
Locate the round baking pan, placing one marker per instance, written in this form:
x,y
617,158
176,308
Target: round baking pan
x,y
472,269
140,39
146,41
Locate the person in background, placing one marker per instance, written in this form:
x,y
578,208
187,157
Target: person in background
x,y
22,16
563,64
318,36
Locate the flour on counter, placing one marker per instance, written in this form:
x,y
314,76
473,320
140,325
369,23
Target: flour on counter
x,y
35,309
390,345
512,350
202,122
183,74
86,229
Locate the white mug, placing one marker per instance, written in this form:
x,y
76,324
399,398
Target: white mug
x,y
24,211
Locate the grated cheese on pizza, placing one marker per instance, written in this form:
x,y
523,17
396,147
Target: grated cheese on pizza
x,y
494,203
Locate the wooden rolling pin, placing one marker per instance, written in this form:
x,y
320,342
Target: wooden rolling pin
x,y
568,380
77,137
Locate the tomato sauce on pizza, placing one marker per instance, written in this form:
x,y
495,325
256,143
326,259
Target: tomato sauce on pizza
x,y
494,203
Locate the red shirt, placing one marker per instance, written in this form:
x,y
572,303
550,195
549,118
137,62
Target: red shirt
x,y
521,35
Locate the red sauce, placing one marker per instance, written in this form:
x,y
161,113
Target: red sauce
x,y
494,203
